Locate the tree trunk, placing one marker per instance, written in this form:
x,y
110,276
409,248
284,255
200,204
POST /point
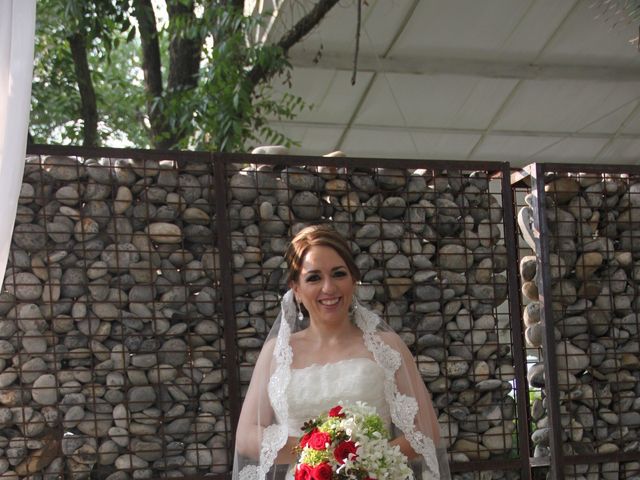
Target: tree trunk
x,y
152,68
184,51
184,60
88,106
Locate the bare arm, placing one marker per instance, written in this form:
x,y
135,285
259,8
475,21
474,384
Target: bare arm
x,y
286,453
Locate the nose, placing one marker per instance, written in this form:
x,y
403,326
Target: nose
x,y
328,286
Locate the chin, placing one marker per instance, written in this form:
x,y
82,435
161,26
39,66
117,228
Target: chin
x,y
335,317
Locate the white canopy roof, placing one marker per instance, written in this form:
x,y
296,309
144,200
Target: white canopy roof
x,y
499,80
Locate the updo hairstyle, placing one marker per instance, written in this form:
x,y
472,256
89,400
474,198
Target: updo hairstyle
x,y
317,235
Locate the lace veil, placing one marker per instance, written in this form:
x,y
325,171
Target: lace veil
x,y
263,426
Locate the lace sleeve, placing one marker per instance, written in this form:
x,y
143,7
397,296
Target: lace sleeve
x,y
262,427
409,402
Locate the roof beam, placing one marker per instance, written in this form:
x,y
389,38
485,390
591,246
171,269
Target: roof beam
x,y
460,131
365,93
507,101
466,66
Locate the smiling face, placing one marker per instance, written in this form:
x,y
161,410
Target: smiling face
x,y
325,286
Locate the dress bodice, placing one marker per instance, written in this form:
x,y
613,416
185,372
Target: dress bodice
x,y
315,389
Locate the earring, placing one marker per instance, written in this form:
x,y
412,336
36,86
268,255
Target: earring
x,y
354,304
300,315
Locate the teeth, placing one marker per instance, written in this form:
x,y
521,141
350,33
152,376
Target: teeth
x,y
329,302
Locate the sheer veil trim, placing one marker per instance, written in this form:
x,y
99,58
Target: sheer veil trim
x,y
403,408
275,435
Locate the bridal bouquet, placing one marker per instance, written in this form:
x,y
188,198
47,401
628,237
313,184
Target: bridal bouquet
x,y
349,443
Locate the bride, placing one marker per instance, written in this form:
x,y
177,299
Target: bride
x,y
325,349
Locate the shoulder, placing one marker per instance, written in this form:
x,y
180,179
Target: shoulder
x,y
298,338
299,334
299,343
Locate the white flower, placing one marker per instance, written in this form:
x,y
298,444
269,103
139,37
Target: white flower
x,y
375,455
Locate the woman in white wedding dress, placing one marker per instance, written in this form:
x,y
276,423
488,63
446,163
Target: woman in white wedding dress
x,y
325,349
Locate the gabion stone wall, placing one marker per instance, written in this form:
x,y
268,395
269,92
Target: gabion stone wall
x,y
110,334
430,247
113,359
593,222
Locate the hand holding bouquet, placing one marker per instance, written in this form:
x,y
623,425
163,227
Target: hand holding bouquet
x,y
349,443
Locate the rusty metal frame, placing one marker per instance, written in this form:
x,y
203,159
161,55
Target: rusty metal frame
x,y
230,356
501,170
517,336
533,177
219,168
541,237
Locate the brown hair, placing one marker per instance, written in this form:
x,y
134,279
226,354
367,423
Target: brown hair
x,y
317,235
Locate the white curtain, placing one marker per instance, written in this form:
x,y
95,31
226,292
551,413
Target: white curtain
x,y
17,29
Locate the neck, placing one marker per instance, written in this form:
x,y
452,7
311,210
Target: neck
x,y
332,332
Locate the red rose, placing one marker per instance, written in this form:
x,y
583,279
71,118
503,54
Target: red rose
x,y
303,472
322,472
319,440
304,441
336,412
343,450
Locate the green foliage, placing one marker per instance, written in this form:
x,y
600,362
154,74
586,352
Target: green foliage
x,y
55,100
226,110
373,424
315,457
55,103
331,425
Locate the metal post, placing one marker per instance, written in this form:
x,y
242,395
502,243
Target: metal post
x,y
541,235
517,336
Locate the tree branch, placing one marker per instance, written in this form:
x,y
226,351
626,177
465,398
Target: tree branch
x,y
152,68
307,23
88,106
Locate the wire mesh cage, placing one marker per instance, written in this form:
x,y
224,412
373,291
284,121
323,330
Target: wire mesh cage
x,y
142,285
581,317
430,245
112,335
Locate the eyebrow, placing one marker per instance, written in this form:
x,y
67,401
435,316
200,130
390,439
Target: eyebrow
x,y
333,270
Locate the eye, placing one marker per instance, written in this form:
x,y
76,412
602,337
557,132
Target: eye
x,y
312,278
340,273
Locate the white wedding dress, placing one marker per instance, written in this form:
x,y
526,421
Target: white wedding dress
x,y
384,377
316,389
